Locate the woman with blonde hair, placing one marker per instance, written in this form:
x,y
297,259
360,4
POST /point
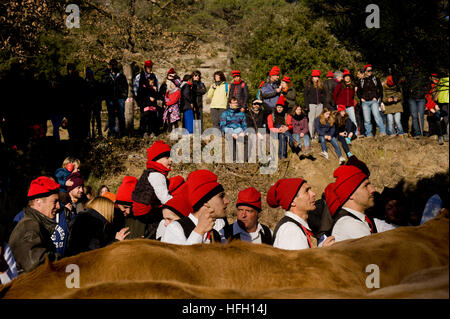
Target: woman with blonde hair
x,y
326,128
93,228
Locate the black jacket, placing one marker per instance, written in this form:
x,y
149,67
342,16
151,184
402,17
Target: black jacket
x,y
239,91
115,86
256,119
90,231
187,97
143,88
199,90
329,85
31,242
314,95
369,88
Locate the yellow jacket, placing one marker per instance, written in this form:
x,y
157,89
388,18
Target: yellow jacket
x,y
443,90
218,96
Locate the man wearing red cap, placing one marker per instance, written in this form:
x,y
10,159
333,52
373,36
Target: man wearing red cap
x,y
292,232
247,227
348,198
31,240
208,201
239,90
271,90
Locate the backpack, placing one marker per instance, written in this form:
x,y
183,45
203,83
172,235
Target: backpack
x,y
258,93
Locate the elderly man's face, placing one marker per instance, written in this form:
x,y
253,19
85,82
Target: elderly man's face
x,y
247,218
47,206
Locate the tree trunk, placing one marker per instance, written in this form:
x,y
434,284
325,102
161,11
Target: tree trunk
x,y
129,104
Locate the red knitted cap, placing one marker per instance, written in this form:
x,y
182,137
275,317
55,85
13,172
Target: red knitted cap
x,y
346,72
42,186
125,190
175,183
348,179
158,150
171,71
330,74
148,63
274,71
283,192
286,79
249,197
236,73
341,107
390,80
202,186
281,100
315,73
367,66
179,204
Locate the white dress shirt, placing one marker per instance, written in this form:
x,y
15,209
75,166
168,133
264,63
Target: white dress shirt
x,y
349,228
254,237
174,233
159,184
290,236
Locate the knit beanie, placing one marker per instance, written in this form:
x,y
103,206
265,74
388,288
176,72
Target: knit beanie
x,y
348,179
274,71
330,74
367,66
202,186
159,149
76,179
346,72
315,73
283,192
341,107
148,63
179,204
281,100
42,187
125,190
286,79
175,183
236,73
249,197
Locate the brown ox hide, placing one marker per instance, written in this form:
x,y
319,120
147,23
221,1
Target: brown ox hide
x,y
413,263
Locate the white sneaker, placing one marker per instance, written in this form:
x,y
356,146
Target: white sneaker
x,y
341,160
324,154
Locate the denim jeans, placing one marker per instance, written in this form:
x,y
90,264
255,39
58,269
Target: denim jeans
x,y
283,140
116,108
56,122
351,113
188,117
323,145
314,111
305,138
390,123
417,110
371,107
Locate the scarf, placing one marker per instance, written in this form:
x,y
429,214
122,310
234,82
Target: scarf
x,y
237,83
158,167
298,117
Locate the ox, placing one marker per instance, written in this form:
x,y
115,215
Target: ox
x,y
413,263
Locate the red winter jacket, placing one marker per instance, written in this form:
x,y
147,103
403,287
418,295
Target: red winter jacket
x,y
430,103
344,96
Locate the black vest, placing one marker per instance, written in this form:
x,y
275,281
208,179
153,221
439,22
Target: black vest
x,y
144,192
188,227
344,212
266,235
284,220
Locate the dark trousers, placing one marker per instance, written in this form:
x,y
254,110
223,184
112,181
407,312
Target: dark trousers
x,y
150,122
344,144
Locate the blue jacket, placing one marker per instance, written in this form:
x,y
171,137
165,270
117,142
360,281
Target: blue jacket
x,y
233,121
269,95
323,130
61,175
